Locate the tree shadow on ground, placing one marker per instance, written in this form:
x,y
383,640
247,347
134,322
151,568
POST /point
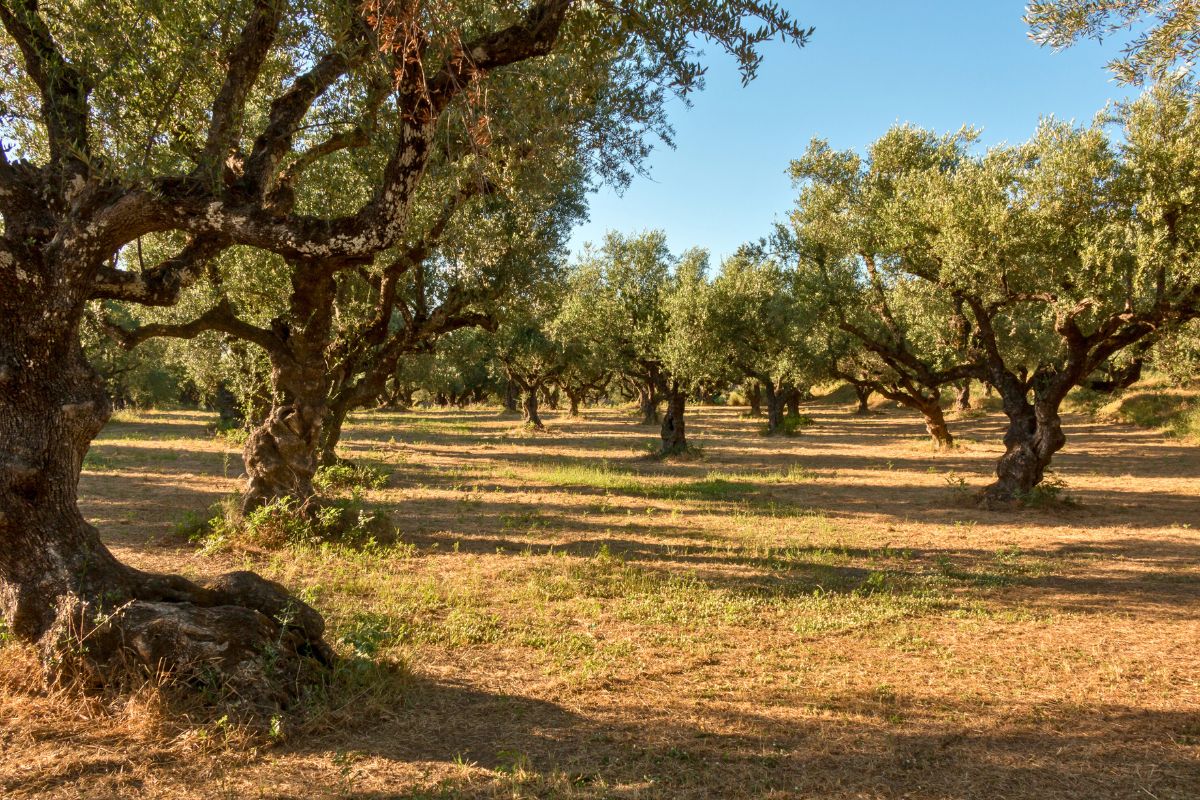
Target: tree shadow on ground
x,y
867,744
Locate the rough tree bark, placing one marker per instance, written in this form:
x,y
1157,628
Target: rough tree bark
x,y
1033,436
59,584
962,396
282,454
573,399
63,222
935,423
648,405
512,397
674,440
792,396
331,431
529,408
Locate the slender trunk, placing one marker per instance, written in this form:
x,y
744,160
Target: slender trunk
x,y
331,432
512,396
647,406
962,396
863,393
59,584
529,409
793,395
775,408
1034,435
754,397
674,440
552,396
573,398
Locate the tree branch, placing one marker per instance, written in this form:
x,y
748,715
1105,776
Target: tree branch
x,y
220,317
160,285
245,62
288,110
64,91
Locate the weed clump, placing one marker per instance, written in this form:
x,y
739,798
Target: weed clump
x,y
1050,493
283,523
355,477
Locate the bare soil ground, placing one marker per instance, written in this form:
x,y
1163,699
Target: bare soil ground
x,y
819,616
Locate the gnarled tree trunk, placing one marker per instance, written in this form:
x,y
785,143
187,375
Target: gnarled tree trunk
x,y
775,407
647,406
1033,436
935,424
61,588
512,397
962,396
282,454
674,440
331,431
529,409
574,398
792,396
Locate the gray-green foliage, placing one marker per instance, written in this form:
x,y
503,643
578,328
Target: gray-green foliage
x,y
1163,35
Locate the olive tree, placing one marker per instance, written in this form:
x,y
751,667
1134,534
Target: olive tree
x,y
205,146
761,329
888,331
1167,34
614,306
1053,256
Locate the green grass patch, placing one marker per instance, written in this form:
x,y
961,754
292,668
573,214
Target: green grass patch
x,y
717,485
1175,412
355,477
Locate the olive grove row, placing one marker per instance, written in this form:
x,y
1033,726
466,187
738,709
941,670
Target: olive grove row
x,y
329,188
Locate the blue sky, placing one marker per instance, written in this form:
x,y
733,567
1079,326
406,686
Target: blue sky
x,y
940,64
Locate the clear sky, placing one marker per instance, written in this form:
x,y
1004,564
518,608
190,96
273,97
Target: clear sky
x,y
870,64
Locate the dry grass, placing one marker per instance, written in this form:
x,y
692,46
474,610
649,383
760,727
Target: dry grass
x,y
817,616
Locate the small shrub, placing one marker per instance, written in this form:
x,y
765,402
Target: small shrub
x,y
1049,493
793,425
356,477
1186,425
958,486
281,524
